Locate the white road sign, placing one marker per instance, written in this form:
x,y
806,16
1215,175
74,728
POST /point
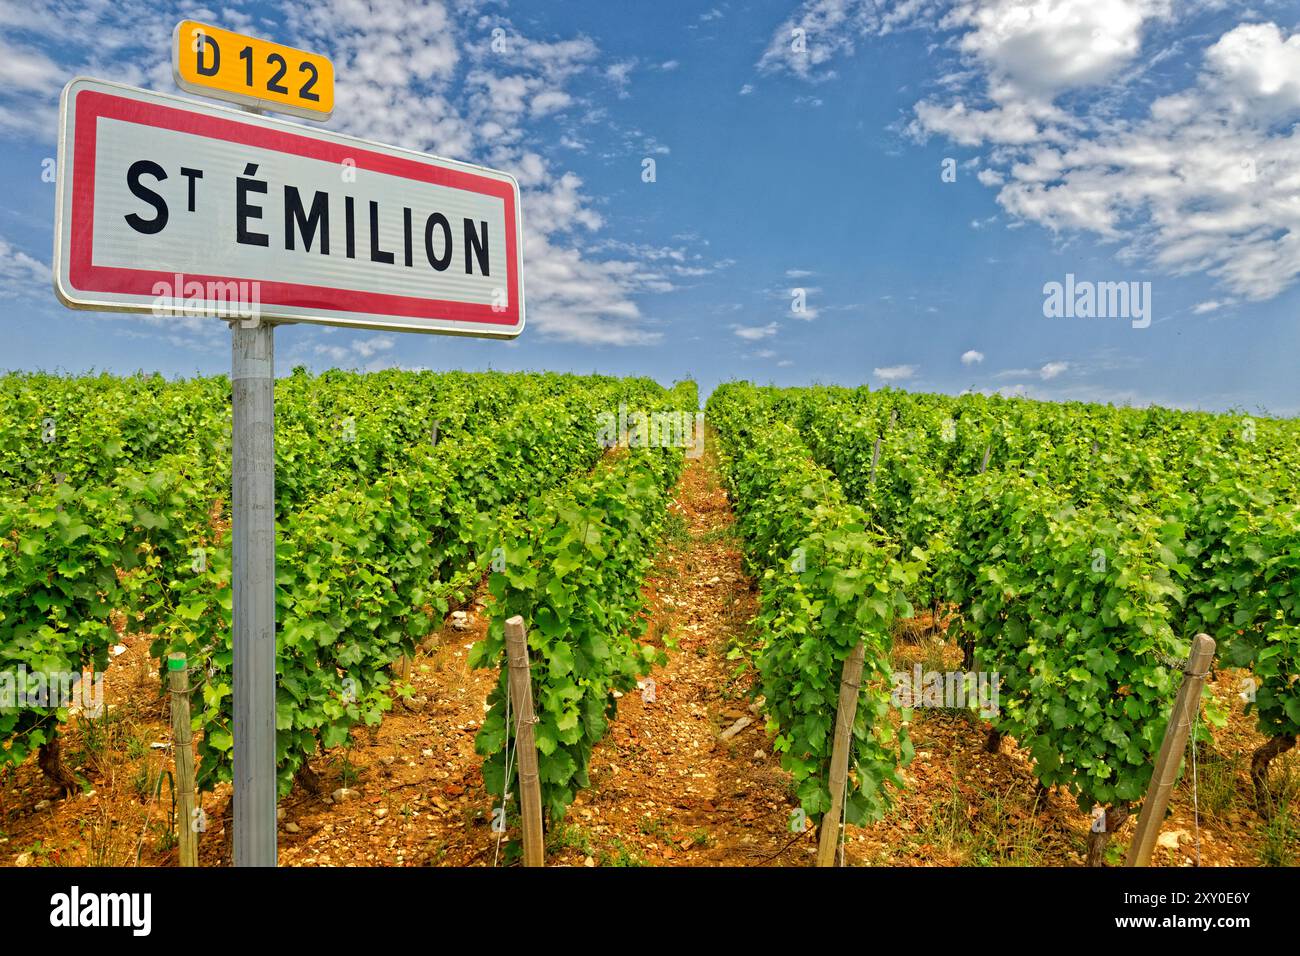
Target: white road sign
x,y
171,206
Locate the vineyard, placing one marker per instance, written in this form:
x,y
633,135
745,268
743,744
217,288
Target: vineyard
x,y
688,618
1079,549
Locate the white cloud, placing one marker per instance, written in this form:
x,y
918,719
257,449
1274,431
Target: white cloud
x,y
895,373
375,344
831,28
753,333
1011,123
576,299
1201,308
1046,372
1201,179
620,74
1257,71
28,70
1041,47
549,101
21,276
354,353
972,357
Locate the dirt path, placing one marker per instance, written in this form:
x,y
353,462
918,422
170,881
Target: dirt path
x,y
664,790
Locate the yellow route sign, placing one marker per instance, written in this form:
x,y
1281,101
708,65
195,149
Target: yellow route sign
x,y
251,72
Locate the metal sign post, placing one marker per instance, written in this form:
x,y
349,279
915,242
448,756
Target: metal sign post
x,y
252,573
252,512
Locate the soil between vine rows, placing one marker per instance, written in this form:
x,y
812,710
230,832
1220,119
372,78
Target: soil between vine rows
x,y
664,791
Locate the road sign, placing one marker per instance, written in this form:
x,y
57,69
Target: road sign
x,y
175,207
251,72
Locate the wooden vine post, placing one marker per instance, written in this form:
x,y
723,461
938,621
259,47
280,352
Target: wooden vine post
x,y
875,452
521,699
1186,706
187,836
402,668
828,837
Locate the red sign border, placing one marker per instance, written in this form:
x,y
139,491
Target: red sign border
x,y
86,277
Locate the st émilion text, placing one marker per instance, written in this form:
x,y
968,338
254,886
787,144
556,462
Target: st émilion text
x,y
314,221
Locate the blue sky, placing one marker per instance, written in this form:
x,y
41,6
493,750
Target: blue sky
x,y
796,146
